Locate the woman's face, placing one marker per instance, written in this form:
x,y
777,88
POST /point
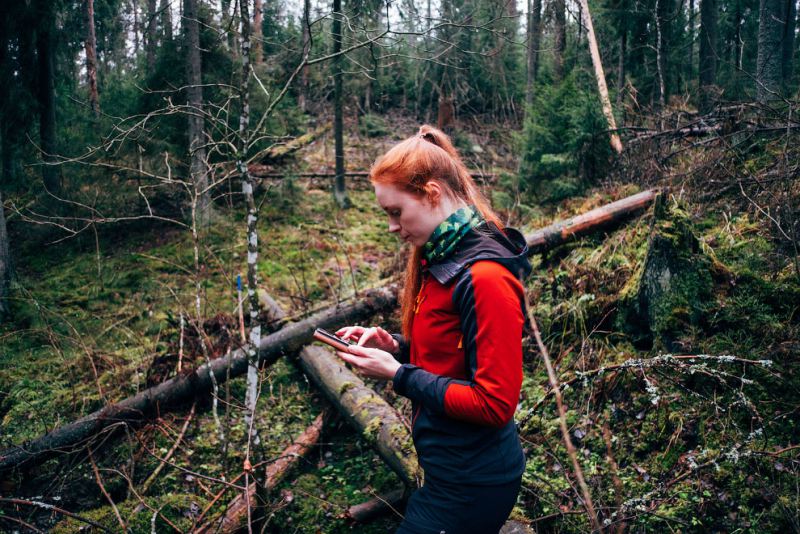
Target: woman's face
x,y
413,218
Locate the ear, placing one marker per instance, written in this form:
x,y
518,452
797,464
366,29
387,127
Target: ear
x,y
433,192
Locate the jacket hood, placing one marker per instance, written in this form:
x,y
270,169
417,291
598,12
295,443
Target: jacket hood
x,y
485,242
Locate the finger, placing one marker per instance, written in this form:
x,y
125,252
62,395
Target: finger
x,y
366,336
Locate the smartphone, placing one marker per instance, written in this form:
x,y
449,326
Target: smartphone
x,y
332,340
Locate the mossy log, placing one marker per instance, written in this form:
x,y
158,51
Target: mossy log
x,y
375,419
183,388
277,152
602,218
236,513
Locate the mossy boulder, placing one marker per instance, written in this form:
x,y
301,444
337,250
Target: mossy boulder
x,y
667,296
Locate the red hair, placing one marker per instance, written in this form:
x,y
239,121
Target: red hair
x,y
409,166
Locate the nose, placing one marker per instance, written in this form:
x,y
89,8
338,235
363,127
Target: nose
x,y
393,227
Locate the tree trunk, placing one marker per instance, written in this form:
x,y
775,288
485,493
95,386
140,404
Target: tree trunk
x,y
165,7
47,96
339,190
198,167
560,44
690,63
616,144
151,35
534,40
788,41
623,42
135,6
708,52
771,25
183,388
258,34
303,96
251,393
5,265
90,44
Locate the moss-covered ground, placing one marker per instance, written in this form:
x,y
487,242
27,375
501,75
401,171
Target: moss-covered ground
x,y
703,444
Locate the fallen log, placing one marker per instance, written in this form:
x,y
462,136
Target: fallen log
x,y
183,388
601,218
276,472
277,152
376,420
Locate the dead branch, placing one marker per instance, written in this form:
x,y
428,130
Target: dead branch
x,y
275,473
149,481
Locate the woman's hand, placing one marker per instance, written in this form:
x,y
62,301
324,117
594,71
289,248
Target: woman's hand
x,y
372,363
375,338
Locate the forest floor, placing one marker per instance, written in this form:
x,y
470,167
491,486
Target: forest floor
x,y
691,445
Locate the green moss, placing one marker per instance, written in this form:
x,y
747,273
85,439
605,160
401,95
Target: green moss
x,y
179,509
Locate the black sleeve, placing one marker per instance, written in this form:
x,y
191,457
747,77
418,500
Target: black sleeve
x,y
403,355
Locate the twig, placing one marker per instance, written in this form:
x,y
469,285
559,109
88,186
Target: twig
x,y
46,506
562,413
105,493
154,474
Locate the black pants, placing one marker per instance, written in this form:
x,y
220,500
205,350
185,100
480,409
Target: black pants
x,y
447,508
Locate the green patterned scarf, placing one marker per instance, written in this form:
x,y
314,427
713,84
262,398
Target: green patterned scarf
x,y
446,236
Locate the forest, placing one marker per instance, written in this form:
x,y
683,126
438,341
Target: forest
x,y
185,198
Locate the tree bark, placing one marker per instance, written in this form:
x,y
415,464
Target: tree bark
x,y
198,167
150,44
276,471
258,34
166,19
788,41
47,96
339,189
708,52
181,389
534,41
5,265
623,45
616,144
90,45
771,25
560,44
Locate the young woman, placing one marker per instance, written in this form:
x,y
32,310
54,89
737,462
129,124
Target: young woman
x,y
459,358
